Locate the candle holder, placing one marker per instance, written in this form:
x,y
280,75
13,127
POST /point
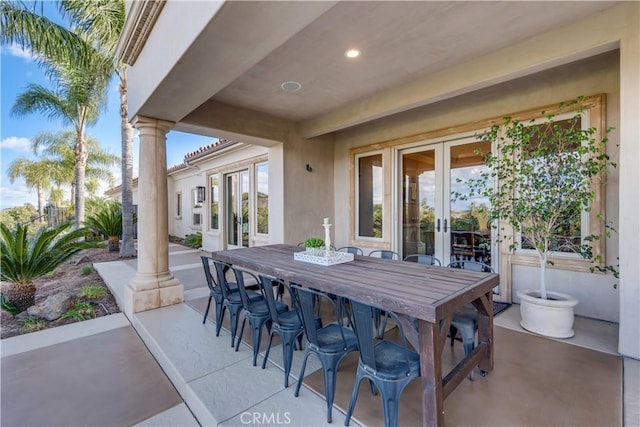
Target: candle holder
x,y
327,255
327,237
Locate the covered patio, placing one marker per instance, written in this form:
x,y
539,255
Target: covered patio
x,y
429,76
536,381
275,75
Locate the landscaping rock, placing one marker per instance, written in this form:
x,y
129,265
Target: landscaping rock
x,y
54,306
82,260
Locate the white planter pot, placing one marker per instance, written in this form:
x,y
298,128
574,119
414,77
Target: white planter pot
x,y
552,317
316,251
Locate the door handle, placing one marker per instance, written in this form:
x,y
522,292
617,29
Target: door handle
x,y
438,225
445,226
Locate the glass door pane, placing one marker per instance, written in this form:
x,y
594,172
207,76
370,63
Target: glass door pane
x,y
469,223
232,209
419,203
370,196
244,221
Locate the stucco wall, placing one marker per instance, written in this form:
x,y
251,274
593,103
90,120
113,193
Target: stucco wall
x,y
629,203
308,196
599,74
227,160
185,182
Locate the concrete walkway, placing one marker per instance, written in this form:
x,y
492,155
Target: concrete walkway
x,y
92,373
62,377
184,347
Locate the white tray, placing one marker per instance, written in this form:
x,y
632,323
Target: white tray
x,y
333,258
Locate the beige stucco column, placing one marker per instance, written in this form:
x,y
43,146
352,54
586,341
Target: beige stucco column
x,y
153,286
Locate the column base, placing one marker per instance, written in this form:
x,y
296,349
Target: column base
x,y
146,292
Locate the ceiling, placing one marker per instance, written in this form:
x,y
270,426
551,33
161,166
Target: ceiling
x,y
223,71
399,42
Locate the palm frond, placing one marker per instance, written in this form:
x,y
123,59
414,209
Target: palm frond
x,y
107,221
37,98
24,260
101,20
40,34
33,172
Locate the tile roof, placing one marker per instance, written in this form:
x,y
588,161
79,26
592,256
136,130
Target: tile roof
x,y
203,151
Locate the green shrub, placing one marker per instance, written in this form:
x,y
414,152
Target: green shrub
x,y
87,269
91,291
80,311
314,242
24,260
32,324
194,240
8,305
108,222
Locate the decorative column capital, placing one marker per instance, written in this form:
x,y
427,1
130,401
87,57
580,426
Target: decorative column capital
x,y
148,125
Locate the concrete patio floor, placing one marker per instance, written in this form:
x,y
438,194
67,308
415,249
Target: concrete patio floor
x,y
211,384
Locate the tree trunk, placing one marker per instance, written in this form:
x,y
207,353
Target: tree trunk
x,y
40,192
81,154
22,295
72,193
127,250
114,243
543,283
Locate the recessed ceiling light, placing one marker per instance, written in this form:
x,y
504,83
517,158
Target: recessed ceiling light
x,y
352,53
291,86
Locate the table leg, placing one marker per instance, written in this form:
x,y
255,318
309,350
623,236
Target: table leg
x,y
431,374
484,305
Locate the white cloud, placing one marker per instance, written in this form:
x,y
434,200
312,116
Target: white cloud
x,y
16,50
18,144
16,195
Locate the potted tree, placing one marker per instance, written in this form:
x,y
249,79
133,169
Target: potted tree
x,y
547,173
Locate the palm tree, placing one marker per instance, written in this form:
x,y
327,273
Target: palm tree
x,y
35,175
59,149
92,187
56,196
40,34
127,249
98,24
103,21
79,95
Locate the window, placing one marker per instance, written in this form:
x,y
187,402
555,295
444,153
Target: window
x,y
262,198
369,196
214,191
197,194
573,227
179,204
197,219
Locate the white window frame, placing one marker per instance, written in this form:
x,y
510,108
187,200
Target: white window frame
x,y
356,221
211,199
585,225
194,223
195,200
255,197
179,205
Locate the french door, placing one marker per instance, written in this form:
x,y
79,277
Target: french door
x,y
430,221
237,209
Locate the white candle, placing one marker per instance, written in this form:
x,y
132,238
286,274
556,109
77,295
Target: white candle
x,y
326,220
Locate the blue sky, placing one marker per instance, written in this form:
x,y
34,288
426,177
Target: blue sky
x,y
17,70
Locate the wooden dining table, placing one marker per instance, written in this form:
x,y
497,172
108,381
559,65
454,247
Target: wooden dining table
x,y
430,294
